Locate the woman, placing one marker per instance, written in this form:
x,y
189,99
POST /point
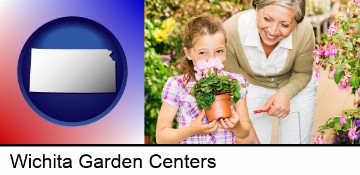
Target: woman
x,y
272,46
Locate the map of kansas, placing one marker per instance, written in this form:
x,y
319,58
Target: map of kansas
x,y
72,71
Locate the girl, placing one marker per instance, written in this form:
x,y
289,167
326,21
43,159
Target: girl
x,y
204,38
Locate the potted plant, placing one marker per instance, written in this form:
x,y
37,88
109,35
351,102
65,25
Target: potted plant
x,y
214,91
339,54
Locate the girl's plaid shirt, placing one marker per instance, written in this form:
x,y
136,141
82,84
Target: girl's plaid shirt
x,y
175,94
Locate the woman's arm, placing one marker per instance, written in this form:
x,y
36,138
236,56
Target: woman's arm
x,y
166,134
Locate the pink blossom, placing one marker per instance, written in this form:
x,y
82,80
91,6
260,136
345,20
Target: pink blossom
x,y
201,69
351,31
320,139
211,62
330,50
165,57
352,133
319,51
317,60
213,65
358,91
344,82
331,30
206,7
331,73
317,73
342,119
218,64
356,2
201,65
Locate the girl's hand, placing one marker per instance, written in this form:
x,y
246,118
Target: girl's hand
x,y
230,123
280,105
199,128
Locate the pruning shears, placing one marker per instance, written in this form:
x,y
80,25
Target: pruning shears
x,y
261,110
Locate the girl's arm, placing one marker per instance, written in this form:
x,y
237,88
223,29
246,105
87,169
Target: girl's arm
x,y
242,130
239,123
166,134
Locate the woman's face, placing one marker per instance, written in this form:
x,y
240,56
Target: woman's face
x,y
207,46
275,23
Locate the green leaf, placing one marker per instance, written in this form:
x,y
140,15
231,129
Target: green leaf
x,y
354,81
338,76
346,126
331,124
357,26
336,119
325,127
349,45
243,85
339,67
337,126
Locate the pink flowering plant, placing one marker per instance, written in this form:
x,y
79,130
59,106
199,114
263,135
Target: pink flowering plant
x,y
339,54
340,51
346,128
211,81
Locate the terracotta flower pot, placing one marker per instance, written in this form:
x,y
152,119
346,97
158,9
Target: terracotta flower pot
x,y
146,139
220,108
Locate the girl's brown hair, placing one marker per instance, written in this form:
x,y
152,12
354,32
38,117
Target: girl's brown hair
x,y
196,27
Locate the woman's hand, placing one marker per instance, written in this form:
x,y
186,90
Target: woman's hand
x,y
279,105
230,123
197,127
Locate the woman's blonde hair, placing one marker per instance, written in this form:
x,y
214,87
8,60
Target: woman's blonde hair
x,y
297,5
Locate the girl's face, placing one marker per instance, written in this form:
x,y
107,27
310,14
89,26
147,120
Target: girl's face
x,y
274,23
207,46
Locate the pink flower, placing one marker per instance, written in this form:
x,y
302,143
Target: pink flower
x,y
206,7
165,57
218,64
351,31
198,76
356,2
358,91
201,69
320,139
317,60
331,30
352,133
344,82
331,73
319,51
330,50
317,73
342,119
211,63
